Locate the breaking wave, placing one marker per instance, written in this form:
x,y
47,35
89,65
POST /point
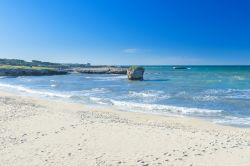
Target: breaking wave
x,y
18,88
162,108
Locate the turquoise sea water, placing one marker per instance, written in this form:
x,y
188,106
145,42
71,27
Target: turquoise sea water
x,y
220,94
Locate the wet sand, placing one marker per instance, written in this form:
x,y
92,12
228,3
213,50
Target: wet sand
x,y
42,132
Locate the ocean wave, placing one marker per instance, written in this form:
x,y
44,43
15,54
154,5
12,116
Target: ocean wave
x,y
216,91
205,98
92,91
32,91
150,94
53,85
239,96
87,93
232,120
157,108
98,100
239,78
229,93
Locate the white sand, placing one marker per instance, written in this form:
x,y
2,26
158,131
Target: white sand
x,y
39,132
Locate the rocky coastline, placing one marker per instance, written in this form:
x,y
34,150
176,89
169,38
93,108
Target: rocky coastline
x,y
30,72
101,70
16,67
43,72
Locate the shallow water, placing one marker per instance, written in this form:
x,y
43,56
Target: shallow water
x,y
217,93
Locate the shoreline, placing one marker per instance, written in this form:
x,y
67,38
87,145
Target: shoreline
x,y
61,98
41,132
116,110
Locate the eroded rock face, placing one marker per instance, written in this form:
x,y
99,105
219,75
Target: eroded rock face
x,y
135,73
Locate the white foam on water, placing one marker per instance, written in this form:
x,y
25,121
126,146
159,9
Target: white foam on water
x,y
232,120
53,85
98,100
205,98
150,94
93,91
216,91
88,94
19,88
162,108
240,96
239,78
229,93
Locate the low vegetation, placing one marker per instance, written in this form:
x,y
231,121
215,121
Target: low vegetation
x,y
18,62
136,68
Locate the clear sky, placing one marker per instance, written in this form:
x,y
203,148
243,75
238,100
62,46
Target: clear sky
x,y
126,31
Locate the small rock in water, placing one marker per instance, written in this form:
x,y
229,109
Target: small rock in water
x,y
135,73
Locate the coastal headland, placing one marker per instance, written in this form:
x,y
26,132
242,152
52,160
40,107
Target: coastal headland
x,y
16,67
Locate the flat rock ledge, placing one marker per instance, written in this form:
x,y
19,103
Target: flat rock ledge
x,y
101,70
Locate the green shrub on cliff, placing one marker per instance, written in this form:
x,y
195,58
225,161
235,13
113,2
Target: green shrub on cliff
x,y
135,73
136,68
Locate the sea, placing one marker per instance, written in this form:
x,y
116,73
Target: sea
x,y
220,94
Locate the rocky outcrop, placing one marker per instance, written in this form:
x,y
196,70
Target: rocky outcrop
x,y
135,73
29,72
101,70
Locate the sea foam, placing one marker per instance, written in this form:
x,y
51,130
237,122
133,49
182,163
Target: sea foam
x,y
162,108
233,120
152,94
18,88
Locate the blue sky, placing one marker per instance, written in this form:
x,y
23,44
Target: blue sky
x,y
126,31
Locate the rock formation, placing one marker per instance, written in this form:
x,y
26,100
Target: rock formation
x,y
135,73
102,70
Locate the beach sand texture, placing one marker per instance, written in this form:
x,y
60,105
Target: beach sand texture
x,y
40,132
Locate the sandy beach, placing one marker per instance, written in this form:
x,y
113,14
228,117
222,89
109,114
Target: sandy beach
x,y
42,132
